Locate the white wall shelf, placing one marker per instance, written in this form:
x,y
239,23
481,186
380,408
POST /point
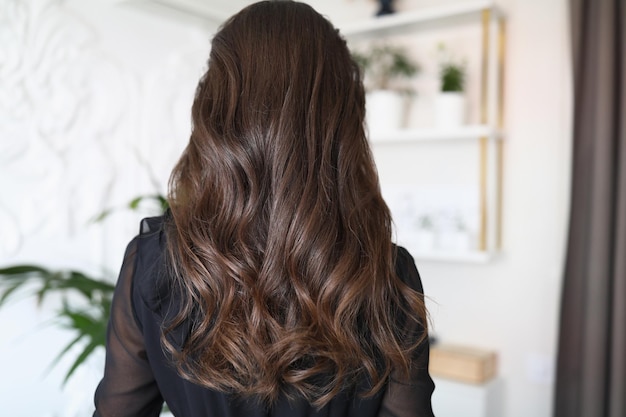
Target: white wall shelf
x,y
487,133
473,257
463,133
411,20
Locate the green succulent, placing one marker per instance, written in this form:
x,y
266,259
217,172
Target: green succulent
x,y
452,72
452,77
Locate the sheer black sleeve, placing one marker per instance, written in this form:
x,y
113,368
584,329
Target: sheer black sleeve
x,y
128,387
412,397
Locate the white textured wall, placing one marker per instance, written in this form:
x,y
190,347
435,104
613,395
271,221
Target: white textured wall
x,y
511,305
94,110
90,90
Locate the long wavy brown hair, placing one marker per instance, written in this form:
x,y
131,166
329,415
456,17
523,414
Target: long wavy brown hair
x,y
279,239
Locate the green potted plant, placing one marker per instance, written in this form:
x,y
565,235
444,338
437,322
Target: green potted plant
x,y
86,299
426,233
450,102
86,316
386,68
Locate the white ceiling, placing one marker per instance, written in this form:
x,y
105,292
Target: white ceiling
x,y
211,13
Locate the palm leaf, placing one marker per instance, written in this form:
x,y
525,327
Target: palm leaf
x,y
23,270
81,358
48,281
62,353
85,285
87,324
9,290
133,205
91,327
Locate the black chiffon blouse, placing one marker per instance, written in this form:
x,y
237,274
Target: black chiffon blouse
x,y
138,377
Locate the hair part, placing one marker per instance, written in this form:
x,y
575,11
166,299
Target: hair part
x,y
280,241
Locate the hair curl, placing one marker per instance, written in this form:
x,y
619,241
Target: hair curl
x,y
280,240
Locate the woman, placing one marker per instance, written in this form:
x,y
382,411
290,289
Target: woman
x,y
271,286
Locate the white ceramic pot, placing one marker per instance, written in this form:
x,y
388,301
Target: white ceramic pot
x,y
384,110
449,110
425,240
456,241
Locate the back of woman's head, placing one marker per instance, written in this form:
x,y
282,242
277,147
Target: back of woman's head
x,y
280,240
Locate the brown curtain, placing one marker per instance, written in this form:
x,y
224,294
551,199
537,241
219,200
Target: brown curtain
x,y
591,369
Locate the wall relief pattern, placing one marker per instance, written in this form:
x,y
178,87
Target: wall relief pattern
x,y
58,108
84,128
79,130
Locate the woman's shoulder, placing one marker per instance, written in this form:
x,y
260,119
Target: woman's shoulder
x,y
406,269
150,281
152,227
151,237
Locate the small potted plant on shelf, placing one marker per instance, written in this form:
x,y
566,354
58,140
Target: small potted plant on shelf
x,y
387,68
456,234
425,240
450,102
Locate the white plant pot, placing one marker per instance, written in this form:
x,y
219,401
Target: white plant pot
x,y
425,240
450,110
384,110
461,241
